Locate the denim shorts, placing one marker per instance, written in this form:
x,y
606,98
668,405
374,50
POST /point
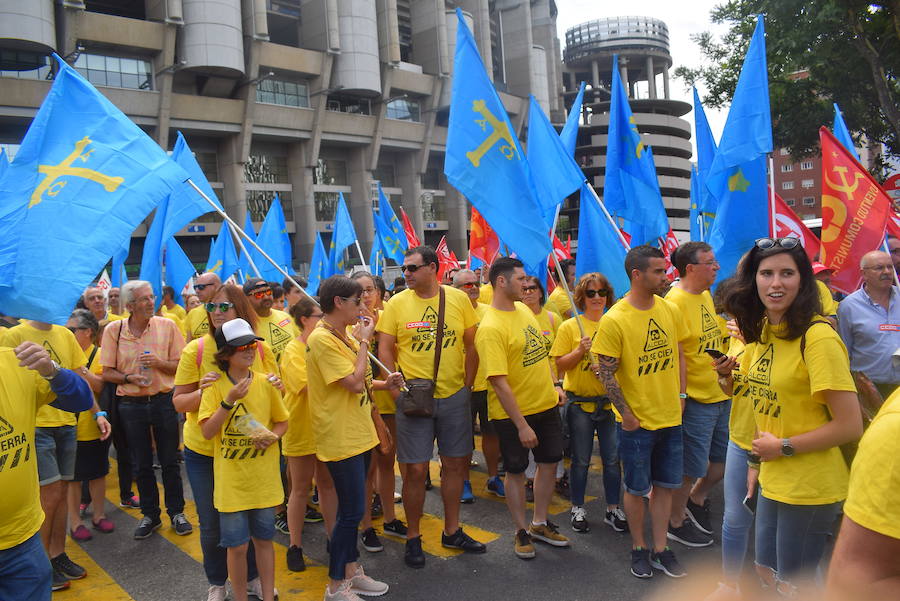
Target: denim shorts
x,y
237,527
451,426
651,457
705,435
55,448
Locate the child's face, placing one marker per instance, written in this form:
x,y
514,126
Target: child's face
x,y
244,358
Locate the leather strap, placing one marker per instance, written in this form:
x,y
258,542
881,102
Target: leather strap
x,y
439,335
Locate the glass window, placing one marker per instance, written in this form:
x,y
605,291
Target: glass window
x,y
259,201
385,174
115,71
787,168
434,207
807,183
431,180
285,93
787,185
404,110
266,169
790,201
806,165
23,65
783,152
331,172
208,164
326,205
809,201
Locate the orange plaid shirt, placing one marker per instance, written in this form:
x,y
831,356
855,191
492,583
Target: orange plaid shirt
x,y
121,351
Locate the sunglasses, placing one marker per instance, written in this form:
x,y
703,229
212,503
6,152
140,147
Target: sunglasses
x,y
201,286
593,293
74,330
261,293
222,307
356,300
786,243
246,347
530,288
469,285
412,268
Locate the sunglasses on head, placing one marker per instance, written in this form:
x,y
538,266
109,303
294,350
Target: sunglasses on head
x,y
201,286
412,268
223,307
592,293
786,243
246,347
262,293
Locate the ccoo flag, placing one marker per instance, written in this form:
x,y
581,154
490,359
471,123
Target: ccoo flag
x,y
317,266
484,161
342,236
84,178
223,259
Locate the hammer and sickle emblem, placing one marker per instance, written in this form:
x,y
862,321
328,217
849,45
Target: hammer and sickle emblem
x,y
499,131
831,228
52,173
848,189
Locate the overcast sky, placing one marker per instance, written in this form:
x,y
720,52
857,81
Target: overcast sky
x,y
682,19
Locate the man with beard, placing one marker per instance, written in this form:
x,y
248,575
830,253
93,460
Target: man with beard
x,y
275,326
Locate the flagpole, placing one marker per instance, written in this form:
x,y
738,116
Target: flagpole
x,y
361,258
243,248
266,256
772,215
700,225
608,216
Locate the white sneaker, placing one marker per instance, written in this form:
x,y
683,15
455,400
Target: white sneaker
x,y
365,585
254,587
216,593
342,594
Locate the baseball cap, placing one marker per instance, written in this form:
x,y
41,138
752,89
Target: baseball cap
x,y
819,268
253,283
235,332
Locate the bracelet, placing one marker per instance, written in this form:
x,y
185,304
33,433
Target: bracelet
x,y
366,341
682,395
126,378
226,406
100,414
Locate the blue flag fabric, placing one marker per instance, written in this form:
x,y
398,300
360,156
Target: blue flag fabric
x,y
4,164
393,238
706,152
842,133
631,189
272,236
342,236
484,160
179,269
599,246
185,204
317,266
119,275
569,134
737,176
243,262
152,253
376,256
84,178
223,259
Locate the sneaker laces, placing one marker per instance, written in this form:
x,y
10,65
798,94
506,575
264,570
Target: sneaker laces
x,y
619,514
578,513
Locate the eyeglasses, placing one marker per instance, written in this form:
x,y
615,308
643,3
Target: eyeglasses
x,y
222,307
201,286
592,293
714,262
529,288
317,316
246,347
262,293
412,268
879,268
75,329
468,285
356,300
785,243
146,299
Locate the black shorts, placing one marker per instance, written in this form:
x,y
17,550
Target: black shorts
x,y
478,402
91,460
547,426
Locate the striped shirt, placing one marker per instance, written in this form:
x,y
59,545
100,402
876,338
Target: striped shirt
x,y
161,337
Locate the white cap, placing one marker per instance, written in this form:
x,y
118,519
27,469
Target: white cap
x,y
237,332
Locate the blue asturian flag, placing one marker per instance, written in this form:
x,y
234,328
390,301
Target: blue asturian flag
x,y
376,256
271,238
185,203
342,236
569,133
179,269
118,275
244,266
556,174
4,164
83,179
484,160
706,152
696,234
317,266
599,245
842,133
387,241
223,259
393,238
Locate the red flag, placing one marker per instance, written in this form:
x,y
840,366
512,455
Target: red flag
x,y
446,258
569,244
411,237
854,213
668,244
483,241
560,249
788,224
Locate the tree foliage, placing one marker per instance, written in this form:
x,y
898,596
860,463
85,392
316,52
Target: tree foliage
x,y
849,51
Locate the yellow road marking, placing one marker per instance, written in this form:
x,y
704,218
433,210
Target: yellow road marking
x,y
97,585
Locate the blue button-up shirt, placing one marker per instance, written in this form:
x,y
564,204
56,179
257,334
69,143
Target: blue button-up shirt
x,y
871,334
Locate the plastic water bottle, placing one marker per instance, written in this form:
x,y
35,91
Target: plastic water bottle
x,y
145,372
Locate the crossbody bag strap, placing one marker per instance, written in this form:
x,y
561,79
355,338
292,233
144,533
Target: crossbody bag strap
x,y
439,335
119,340
90,360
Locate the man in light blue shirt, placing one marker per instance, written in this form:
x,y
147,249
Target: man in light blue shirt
x,y
869,322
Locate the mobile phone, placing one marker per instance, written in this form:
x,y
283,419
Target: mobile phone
x,y
714,353
750,504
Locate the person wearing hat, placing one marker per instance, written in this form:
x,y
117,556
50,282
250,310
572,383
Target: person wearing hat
x,y
276,327
823,275
244,415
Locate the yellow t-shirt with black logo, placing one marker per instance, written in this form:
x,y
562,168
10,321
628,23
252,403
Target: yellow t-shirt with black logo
x,y
63,348
189,373
787,393
412,320
704,331
829,305
741,424
875,477
646,344
278,329
342,420
196,323
87,429
509,343
481,382
300,438
22,391
579,380
176,310
246,477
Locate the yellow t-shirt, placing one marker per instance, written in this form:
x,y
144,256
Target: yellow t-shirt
x,y
646,344
278,329
412,320
481,382
829,305
875,476
196,323
342,420
87,426
704,333
22,391
549,322
176,310
486,294
188,373
579,380
300,438
741,424
383,399
788,397
509,344
246,477
558,302
63,349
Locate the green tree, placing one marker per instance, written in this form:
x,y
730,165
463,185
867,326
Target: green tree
x,y
818,52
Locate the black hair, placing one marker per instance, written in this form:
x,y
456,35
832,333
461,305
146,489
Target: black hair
x,y
537,282
287,284
337,285
686,254
277,290
503,266
639,258
399,282
304,307
564,264
429,255
379,283
168,290
744,303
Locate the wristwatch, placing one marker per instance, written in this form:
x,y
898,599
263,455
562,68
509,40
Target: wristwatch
x,y
55,373
787,449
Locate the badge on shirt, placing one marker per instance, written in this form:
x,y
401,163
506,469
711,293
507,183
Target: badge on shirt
x,y
889,327
284,322
411,325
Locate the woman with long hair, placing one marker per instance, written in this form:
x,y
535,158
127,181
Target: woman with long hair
x,y
795,373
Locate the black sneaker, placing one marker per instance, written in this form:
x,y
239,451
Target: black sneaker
x,y
700,515
295,561
370,541
312,516
395,527
562,487
60,582
529,491
689,535
181,525
640,563
413,555
146,527
315,496
281,523
68,568
665,561
377,509
428,484
461,540
579,519
617,520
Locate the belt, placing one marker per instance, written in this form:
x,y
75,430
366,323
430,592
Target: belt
x,y
144,400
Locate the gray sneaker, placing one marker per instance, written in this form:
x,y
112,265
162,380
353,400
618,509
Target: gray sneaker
x,y
181,524
361,584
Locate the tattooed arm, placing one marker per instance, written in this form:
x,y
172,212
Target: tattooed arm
x,y
607,375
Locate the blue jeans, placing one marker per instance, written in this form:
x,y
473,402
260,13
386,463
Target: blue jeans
x,y
238,527
790,539
25,572
738,519
156,419
199,470
582,427
349,477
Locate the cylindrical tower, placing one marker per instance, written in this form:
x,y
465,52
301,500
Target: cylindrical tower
x,y
642,47
451,48
212,37
29,27
357,70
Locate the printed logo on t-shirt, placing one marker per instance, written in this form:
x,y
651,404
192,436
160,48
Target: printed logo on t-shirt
x,y
760,371
235,444
201,330
658,354
534,349
711,336
765,399
707,321
423,340
656,337
53,354
14,448
278,339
